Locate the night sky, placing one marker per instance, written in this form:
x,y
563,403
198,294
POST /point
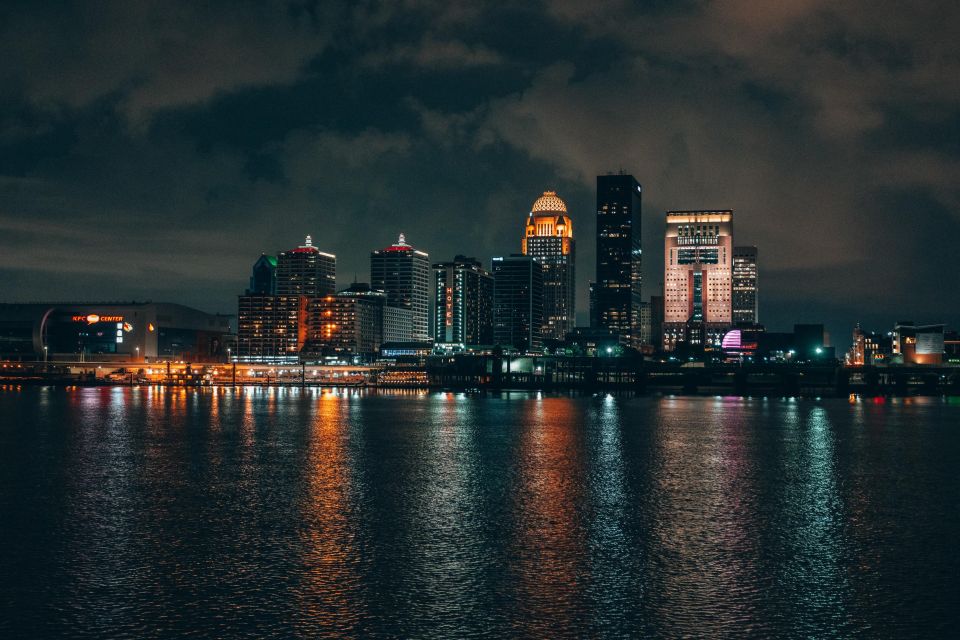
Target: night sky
x,y
153,150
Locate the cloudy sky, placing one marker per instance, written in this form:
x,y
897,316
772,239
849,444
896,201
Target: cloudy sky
x,y
152,150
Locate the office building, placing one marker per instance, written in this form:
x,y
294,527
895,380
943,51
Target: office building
x,y
619,277
306,271
403,274
263,279
548,237
271,329
518,302
347,324
745,309
698,278
463,303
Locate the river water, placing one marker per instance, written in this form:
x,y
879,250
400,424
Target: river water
x,y
145,512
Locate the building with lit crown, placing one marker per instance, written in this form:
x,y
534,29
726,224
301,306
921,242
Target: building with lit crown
x,y
698,278
548,237
617,289
263,276
518,302
306,271
403,274
463,303
745,308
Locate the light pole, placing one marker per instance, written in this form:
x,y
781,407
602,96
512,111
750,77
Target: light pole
x,y
45,354
138,353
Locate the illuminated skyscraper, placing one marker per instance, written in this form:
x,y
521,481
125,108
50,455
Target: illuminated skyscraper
x,y
548,238
518,302
463,300
306,271
619,278
403,273
745,285
698,277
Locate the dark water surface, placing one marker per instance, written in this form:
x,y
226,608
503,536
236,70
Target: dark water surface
x,y
155,513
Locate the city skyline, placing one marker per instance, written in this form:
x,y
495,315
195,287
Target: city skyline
x,y
220,134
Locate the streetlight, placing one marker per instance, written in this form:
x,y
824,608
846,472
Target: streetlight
x,y
138,352
45,353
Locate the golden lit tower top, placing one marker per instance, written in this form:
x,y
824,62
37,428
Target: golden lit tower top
x,y
548,219
548,238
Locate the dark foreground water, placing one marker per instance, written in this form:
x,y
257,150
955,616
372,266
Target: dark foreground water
x,y
151,513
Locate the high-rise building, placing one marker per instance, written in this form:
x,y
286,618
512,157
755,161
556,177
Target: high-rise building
x,y
619,276
403,273
306,271
354,322
745,309
518,300
263,279
347,324
463,301
548,237
271,329
698,277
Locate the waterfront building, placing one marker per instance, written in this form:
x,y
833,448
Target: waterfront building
x,y
105,332
463,303
869,347
263,279
698,278
548,237
271,329
403,274
353,323
918,344
619,258
306,271
518,302
745,308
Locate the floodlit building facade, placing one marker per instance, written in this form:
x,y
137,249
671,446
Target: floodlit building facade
x,y
548,238
698,277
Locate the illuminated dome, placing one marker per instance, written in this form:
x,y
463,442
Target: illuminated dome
x,y
549,201
733,340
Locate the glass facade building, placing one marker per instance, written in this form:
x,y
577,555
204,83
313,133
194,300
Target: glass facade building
x,y
617,289
745,307
463,303
518,302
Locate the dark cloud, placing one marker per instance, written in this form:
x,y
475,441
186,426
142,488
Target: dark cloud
x,y
154,149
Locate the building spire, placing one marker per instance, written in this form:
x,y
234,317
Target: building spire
x,y
403,239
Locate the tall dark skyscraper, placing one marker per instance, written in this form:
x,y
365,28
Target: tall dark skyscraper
x,y
403,273
306,271
745,309
463,298
518,297
263,279
617,290
548,237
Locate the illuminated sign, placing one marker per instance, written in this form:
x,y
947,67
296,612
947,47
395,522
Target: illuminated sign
x,y
94,319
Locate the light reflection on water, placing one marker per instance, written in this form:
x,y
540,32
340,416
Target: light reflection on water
x,y
152,512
